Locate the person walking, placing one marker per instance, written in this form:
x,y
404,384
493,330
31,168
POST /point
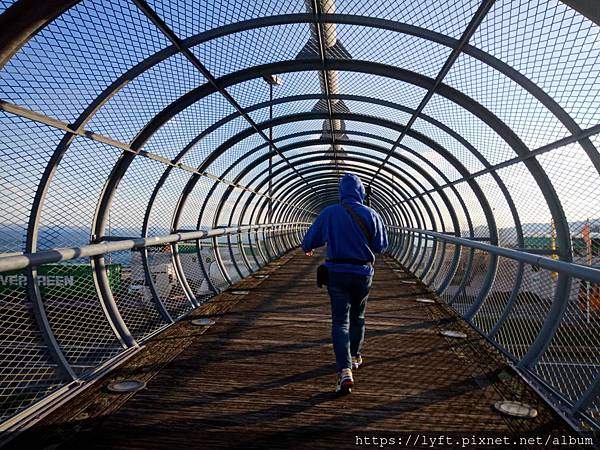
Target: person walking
x,y
353,233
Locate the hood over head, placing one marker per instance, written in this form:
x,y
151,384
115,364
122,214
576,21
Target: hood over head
x,y
351,188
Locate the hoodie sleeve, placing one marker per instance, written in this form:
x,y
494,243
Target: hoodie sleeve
x,y
314,236
380,239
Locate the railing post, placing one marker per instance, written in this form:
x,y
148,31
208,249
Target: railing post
x,y
259,248
219,260
108,303
438,265
430,260
41,318
454,265
162,310
465,277
187,290
205,272
243,251
266,244
509,304
232,256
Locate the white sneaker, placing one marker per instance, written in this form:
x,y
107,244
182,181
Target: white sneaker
x,y
345,382
356,361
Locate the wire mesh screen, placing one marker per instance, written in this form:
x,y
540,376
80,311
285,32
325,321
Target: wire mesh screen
x,y
133,294
21,174
76,315
572,359
164,277
191,254
28,370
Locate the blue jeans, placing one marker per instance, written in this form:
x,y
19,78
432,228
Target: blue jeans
x,y
348,293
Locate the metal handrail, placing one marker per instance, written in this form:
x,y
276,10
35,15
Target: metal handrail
x,y
71,382
573,410
576,270
17,262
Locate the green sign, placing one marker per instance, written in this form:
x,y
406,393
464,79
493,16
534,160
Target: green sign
x,y
62,280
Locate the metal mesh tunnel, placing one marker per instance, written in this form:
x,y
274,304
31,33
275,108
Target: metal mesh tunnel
x,y
155,152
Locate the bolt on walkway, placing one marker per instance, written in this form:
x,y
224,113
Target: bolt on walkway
x,y
262,376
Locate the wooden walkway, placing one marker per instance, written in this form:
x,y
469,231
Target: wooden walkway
x,y
263,377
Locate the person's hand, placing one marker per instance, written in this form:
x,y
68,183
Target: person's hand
x,y
309,253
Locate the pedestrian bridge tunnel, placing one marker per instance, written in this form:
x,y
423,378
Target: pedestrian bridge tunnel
x,y
156,152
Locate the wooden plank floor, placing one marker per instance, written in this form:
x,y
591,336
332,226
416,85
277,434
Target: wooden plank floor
x,y
263,376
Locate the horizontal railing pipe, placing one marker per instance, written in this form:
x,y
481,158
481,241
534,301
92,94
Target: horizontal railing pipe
x,y
17,262
577,409
573,269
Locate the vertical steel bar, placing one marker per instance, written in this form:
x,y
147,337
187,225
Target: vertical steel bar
x,y
45,330
108,303
160,306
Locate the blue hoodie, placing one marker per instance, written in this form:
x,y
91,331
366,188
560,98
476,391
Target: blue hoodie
x,y
344,238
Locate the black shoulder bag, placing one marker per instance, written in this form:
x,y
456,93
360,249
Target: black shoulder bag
x,y
323,271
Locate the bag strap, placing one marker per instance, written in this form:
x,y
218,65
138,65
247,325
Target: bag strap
x,y
360,222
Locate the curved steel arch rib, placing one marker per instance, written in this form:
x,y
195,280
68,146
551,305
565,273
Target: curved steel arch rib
x,y
448,204
492,121
265,157
399,175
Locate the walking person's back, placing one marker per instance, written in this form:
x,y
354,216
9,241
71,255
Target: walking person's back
x,y
353,233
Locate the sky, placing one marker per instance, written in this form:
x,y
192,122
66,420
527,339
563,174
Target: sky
x,y
72,61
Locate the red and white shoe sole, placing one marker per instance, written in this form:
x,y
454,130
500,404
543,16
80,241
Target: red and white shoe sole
x,y
346,387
